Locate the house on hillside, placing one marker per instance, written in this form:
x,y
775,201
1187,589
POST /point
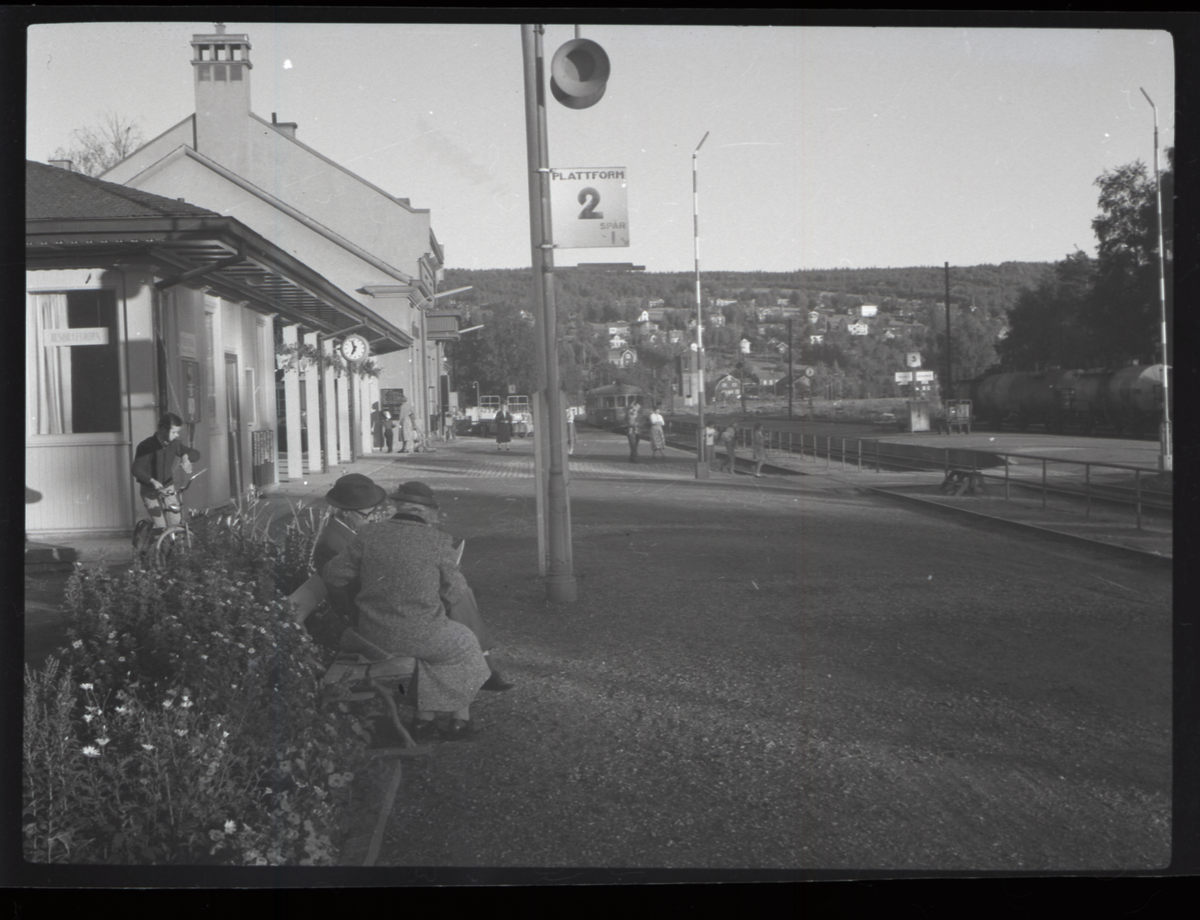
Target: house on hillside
x,y
139,304
373,247
726,388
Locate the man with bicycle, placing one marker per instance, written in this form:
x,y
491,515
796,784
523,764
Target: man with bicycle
x,y
153,468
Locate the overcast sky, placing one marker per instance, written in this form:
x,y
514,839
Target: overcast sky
x,y
828,147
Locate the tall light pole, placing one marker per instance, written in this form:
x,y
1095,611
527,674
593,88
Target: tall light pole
x,y
560,576
1164,429
701,443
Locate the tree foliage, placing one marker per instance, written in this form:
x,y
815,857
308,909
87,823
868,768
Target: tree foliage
x,y
1124,308
1103,311
1050,323
499,355
95,149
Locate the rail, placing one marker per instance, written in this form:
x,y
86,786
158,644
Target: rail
x,y
1077,479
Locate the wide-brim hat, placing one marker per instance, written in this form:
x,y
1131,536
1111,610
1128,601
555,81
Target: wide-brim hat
x,y
415,493
354,491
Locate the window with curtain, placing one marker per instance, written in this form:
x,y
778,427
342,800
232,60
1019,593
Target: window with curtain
x,y
78,386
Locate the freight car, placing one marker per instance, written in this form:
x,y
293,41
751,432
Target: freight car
x,y
604,407
1128,400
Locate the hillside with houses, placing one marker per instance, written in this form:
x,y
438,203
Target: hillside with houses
x,y
762,331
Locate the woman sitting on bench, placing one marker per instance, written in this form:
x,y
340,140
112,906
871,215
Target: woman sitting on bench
x,y
405,566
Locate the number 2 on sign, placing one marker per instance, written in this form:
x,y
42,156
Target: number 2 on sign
x,y
589,212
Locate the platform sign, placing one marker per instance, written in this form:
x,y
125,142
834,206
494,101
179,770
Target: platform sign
x,y
914,376
589,207
97,335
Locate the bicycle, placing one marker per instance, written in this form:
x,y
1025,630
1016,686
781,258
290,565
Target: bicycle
x,y
172,540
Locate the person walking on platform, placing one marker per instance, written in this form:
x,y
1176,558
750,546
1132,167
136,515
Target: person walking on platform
x,y
389,430
758,444
632,420
377,415
729,442
504,428
658,438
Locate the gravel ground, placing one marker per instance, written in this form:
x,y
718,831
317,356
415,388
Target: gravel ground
x,y
780,674
786,674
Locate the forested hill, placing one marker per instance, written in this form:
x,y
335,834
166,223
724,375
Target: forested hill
x,y
612,296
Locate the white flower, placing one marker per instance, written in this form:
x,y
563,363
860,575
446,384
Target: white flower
x,y
252,652
148,747
88,717
91,751
122,710
231,827
102,741
167,704
113,634
86,686
181,732
78,643
186,704
204,658
122,658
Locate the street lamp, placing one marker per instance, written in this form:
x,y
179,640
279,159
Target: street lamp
x,y
1164,431
701,450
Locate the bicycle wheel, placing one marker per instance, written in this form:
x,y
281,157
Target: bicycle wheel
x,y
143,541
174,542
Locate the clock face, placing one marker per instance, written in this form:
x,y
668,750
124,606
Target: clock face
x,y
354,348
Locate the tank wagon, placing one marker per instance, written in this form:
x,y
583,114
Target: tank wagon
x,y
1128,400
604,407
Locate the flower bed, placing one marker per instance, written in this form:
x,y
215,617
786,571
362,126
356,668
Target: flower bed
x,y
183,722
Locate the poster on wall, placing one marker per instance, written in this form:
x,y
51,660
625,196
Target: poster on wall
x,y
191,391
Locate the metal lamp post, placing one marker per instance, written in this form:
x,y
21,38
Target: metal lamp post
x,y
1164,432
701,442
560,575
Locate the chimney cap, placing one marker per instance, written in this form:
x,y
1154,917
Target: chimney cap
x,y
63,164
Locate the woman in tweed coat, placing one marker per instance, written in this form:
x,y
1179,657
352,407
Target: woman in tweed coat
x,y
406,567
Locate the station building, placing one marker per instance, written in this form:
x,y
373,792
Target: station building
x,y
221,285
138,305
373,246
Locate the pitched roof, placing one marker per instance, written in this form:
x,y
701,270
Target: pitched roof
x,y
53,193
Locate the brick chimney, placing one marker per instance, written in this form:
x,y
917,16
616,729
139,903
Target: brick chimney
x,y
221,75
63,164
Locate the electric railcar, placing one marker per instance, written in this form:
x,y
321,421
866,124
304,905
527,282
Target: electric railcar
x,y
604,407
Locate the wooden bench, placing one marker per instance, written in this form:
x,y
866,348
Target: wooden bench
x,y
960,480
358,661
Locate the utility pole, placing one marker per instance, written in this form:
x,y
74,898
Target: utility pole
x,y
560,577
1165,461
949,362
701,440
791,370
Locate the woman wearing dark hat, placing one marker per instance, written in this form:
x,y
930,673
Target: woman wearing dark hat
x,y
354,499
408,572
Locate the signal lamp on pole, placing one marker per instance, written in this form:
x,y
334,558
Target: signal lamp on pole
x,y
579,73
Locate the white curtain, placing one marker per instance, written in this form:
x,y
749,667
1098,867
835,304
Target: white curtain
x,y
54,367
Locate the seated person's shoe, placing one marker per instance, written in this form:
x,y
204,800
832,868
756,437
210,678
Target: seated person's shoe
x,y
496,683
423,730
459,730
